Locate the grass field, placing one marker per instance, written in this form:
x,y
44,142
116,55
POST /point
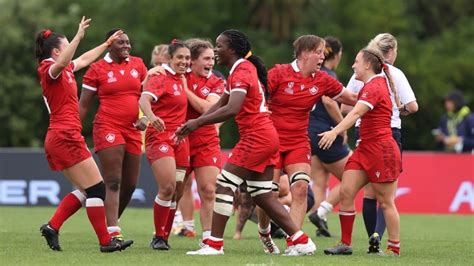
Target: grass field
x,y
426,239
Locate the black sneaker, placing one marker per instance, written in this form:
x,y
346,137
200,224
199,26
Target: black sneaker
x,y
51,236
374,244
320,224
339,249
159,243
116,244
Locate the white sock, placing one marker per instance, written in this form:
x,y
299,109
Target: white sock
x,y
264,231
189,225
206,235
324,208
113,229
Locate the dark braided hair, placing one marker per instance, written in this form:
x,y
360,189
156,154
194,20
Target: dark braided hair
x,y
239,42
46,41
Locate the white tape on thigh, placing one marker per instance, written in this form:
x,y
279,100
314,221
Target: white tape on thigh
x,y
180,174
299,176
229,180
256,188
224,204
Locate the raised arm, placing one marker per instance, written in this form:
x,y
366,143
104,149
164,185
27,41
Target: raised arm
x,y
64,59
90,56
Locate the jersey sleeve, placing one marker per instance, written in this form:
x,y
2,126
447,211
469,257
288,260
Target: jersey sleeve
x,y
44,71
154,87
334,88
240,80
217,87
273,80
90,80
370,95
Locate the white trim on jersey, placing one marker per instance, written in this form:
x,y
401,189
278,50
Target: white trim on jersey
x,y
339,95
109,60
155,98
295,67
238,89
366,103
49,69
215,95
89,87
168,68
235,65
226,91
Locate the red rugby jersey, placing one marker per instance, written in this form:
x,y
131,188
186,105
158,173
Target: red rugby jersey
x,y
253,113
203,87
118,87
291,99
169,98
60,96
375,124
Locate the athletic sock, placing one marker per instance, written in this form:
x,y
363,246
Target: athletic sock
x,y
161,210
169,222
369,212
215,242
69,205
299,238
347,223
264,231
324,208
394,246
189,225
380,225
96,213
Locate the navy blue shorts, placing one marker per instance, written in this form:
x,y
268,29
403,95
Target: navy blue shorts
x,y
337,151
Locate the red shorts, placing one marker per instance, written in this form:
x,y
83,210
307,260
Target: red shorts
x,y
204,151
65,148
297,155
106,136
256,150
159,145
381,160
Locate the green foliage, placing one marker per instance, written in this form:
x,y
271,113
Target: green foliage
x,y
435,45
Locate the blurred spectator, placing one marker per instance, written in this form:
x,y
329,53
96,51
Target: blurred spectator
x,y
456,128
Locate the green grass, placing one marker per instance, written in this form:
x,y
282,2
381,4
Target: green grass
x,y
425,239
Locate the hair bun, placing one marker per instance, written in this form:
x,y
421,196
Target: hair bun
x,y
47,33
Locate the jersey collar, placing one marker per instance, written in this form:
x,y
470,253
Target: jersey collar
x,y
109,60
374,76
169,69
295,67
236,64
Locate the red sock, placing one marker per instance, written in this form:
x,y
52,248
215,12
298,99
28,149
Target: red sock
x,y
289,242
66,208
394,246
161,210
215,243
347,222
169,222
96,213
299,238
